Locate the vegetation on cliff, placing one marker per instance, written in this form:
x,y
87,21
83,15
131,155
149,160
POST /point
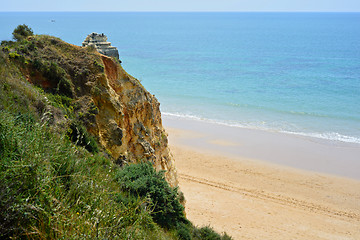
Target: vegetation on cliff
x,y
94,91
58,180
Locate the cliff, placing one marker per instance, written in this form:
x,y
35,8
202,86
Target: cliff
x,y
69,118
95,91
128,123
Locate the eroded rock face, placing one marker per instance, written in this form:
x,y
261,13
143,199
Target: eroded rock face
x,y
128,122
112,105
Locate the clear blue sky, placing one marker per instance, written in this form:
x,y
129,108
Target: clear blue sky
x,y
181,5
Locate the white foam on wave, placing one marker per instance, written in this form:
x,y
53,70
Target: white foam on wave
x,y
333,136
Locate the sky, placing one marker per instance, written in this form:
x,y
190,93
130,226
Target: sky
x,y
183,5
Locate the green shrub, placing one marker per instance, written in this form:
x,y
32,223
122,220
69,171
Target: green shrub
x,y
207,233
183,231
7,43
5,49
55,75
143,180
226,237
37,64
61,102
17,57
14,55
21,32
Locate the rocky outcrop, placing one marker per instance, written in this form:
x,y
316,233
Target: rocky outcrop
x,y
128,122
99,41
112,105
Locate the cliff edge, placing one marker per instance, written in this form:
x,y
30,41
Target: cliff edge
x,y
94,90
128,123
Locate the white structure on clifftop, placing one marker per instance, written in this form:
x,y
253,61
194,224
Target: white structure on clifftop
x,y
99,41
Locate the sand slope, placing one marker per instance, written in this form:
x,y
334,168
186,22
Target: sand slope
x,y
250,199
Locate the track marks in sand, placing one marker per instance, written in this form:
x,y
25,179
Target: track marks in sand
x,y
276,198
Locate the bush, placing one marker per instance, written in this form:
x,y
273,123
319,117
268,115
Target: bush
x,y
60,101
17,56
142,180
21,32
5,43
5,49
56,75
207,233
183,231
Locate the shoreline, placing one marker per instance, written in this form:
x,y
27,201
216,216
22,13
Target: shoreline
x,y
288,150
327,136
256,198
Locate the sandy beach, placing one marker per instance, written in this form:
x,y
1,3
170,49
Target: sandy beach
x,y
262,185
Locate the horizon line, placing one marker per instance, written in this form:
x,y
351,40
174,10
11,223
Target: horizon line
x,y
201,11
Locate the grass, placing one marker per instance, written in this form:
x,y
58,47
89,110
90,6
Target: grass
x,y
55,180
53,189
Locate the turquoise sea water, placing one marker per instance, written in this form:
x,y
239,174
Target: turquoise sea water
x,y
287,72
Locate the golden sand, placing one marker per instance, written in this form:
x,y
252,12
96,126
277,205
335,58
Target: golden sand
x,y
253,199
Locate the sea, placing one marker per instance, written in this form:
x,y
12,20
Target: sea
x,y
296,73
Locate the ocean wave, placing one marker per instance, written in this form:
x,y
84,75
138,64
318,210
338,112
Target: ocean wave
x,y
333,136
291,112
